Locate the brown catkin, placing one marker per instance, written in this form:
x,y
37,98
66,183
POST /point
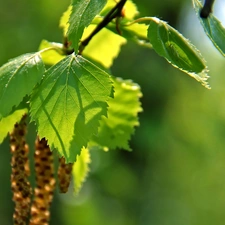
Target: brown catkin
x,y
45,183
20,171
64,175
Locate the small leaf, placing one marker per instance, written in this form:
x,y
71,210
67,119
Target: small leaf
x,y
81,169
7,123
213,28
177,50
17,79
104,47
83,12
68,104
116,129
52,56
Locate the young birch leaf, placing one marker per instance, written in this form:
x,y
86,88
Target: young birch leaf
x,y
177,50
115,130
68,104
83,12
81,169
7,123
17,79
213,28
104,47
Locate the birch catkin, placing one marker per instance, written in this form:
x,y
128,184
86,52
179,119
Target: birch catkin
x,y
64,175
20,171
45,184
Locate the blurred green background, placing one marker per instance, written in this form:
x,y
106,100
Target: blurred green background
x,y
176,172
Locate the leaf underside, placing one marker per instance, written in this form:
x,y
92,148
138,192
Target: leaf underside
x,y
177,50
68,104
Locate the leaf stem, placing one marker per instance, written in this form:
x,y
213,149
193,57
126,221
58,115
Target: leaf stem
x,y
113,13
142,19
59,50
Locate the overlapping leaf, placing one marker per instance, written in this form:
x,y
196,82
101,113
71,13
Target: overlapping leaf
x,y
116,129
17,79
177,50
81,169
68,104
213,28
83,12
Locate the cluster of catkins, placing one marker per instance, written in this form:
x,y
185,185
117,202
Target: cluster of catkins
x,y
32,206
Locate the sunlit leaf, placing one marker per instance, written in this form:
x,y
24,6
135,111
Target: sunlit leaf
x,y
81,169
7,123
129,10
115,130
177,50
68,104
213,28
64,20
53,56
83,12
17,79
104,47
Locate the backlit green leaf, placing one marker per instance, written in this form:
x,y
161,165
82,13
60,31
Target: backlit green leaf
x,y
104,47
17,79
177,50
83,12
52,56
68,104
64,20
115,130
213,28
7,123
81,169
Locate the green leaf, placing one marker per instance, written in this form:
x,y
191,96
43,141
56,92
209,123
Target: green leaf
x,y
7,123
17,79
68,104
115,130
81,169
129,10
83,12
177,50
52,56
104,47
64,20
213,28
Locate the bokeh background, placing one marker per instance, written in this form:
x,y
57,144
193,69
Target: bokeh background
x,y
175,174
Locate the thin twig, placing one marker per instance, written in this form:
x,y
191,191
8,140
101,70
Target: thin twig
x,y
114,12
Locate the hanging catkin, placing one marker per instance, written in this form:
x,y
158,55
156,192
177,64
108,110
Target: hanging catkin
x,y
64,175
20,171
45,184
